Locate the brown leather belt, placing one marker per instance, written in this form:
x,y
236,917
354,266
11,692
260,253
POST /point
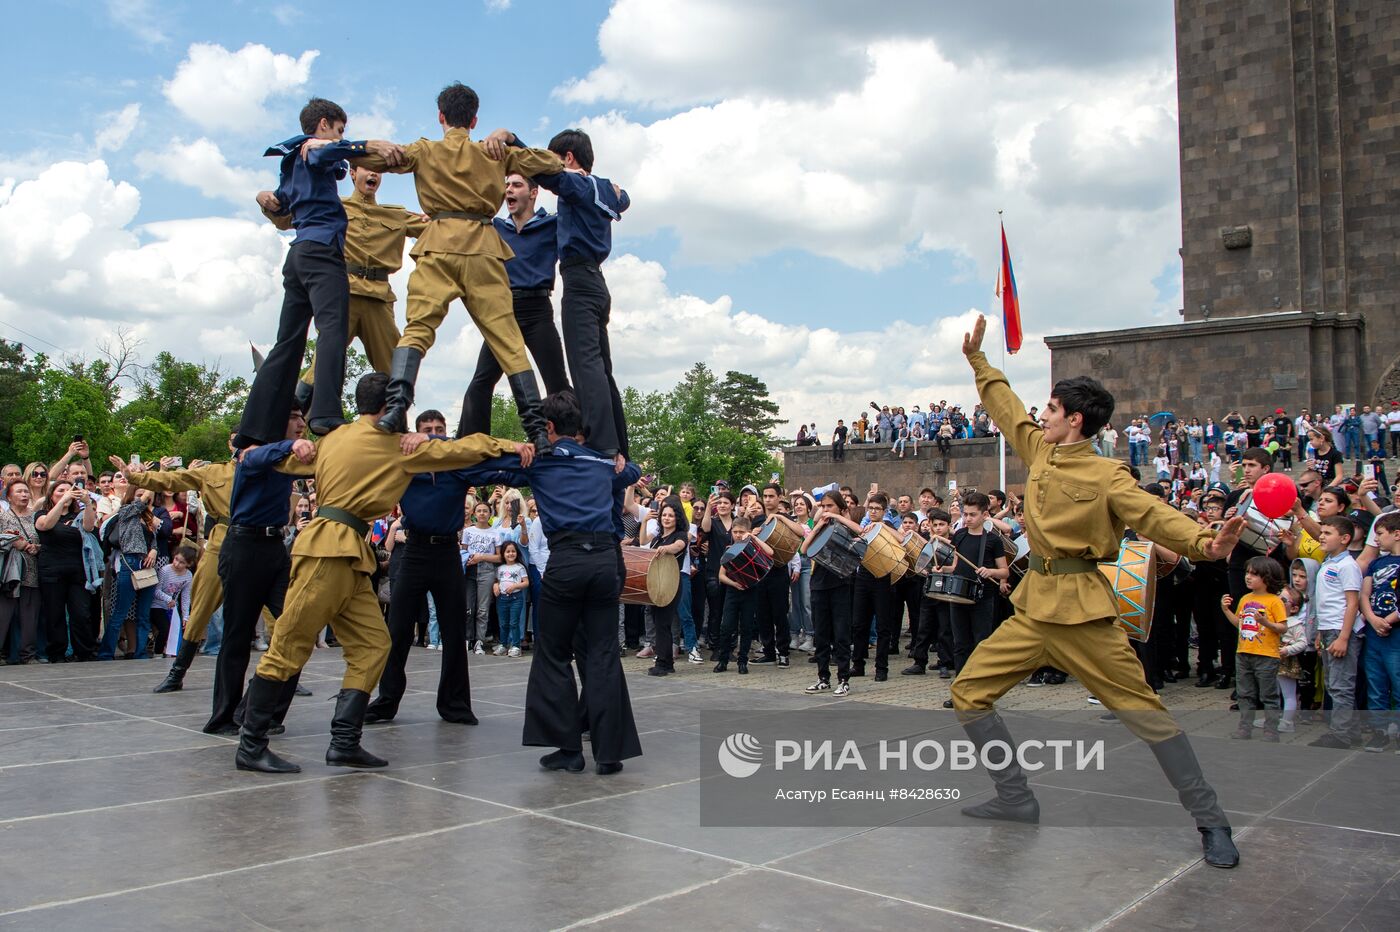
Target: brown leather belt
x,y
1060,566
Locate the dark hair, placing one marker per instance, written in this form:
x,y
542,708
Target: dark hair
x,y
1341,524
978,500
501,549
577,142
928,490
999,495
318,109
432,414
562,409
880,498
191,555
1086,397
1340,494
1267,569
675,504
1259,455
938,514
1390,521
371,393
107,475
458,105
774,486
1155,489
530,181
724,494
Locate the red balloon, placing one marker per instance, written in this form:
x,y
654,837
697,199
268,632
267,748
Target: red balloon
x,y
1274,495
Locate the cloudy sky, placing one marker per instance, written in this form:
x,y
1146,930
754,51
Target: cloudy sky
x,y
815,184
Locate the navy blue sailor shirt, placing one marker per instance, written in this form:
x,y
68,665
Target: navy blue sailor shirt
x,y
575,487
307,188
587,209
261,496
536,248
434,503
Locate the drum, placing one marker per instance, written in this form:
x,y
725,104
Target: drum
x,y
836,550
650,579
745,564
946,587
1134,581
1259,533
784,535
934,554
884,552
913,546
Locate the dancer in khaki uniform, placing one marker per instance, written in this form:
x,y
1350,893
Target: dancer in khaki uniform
x,y
1077,505
461,185
361,473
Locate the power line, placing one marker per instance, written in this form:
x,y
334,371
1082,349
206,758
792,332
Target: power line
x,y
32,336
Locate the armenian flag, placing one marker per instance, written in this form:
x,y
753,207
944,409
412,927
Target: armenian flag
x,y
1010,301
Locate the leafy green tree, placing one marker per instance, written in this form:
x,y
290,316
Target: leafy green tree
x,y
181,394
744,404
207,440
149,437
59,406
19,372
505,419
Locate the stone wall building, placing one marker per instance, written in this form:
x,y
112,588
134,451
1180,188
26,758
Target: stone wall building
x,y
1289,118
969,463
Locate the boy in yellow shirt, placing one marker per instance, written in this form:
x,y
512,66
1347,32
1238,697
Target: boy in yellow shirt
x,y
1262,619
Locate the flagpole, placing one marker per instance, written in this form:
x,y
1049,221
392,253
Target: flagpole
x,y
1001,436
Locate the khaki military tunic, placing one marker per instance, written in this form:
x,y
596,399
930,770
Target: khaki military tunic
x,y
458,257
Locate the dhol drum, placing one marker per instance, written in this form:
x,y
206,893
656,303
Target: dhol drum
x,y
784,535
913,546
1259,533
947,587
837,550
884,553
1134,581
934,554
650,581
745,563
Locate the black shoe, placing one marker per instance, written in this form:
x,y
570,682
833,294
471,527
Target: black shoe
x,y
812,658
721,666
175,680
1178,762
227,729
346,726
1014,801
858,670
914,669
743,667
947,703
782,660
1037,678
403,374
607,769
1168,677
460,718
1055,679
375,716
1223,681
763,659
1329,740
659,671
944,673
572,761
275,729
324,425
1206,680
881,676
259,705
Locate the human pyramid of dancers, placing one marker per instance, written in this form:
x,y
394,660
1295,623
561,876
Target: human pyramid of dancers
x,y
336,273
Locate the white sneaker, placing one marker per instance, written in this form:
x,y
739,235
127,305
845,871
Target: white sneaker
x,y
694,656
479,649
820,686
1285,725
260,644
499,651
807,646
1259,722
514,652
794,644
842,688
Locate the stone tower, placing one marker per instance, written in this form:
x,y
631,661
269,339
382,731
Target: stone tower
x,y
1289,119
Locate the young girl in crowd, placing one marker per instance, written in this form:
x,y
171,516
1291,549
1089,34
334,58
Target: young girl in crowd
x,y
173,598
512,581
1296,639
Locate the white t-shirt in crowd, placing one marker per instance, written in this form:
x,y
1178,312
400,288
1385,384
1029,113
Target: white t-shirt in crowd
x,y
510,574
1392,420
1338,576
539,545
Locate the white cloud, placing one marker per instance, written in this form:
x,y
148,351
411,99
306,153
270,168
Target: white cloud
x,y
497,6
115,128
201,165
74,267
224,90
375,123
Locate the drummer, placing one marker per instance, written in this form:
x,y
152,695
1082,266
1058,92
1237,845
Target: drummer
x,y
935,629
983,560
831,604
740,603
909,590
771,609
873,599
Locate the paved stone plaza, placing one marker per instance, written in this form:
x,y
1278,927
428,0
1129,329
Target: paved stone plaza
x,y
117,813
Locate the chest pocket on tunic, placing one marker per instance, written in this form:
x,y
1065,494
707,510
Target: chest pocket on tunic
x,y
1078,493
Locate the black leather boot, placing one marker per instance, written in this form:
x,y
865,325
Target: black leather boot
x,y
403,375
345,750
175,680
1179,763
527,401
303,397
381,710
1014,801
261,703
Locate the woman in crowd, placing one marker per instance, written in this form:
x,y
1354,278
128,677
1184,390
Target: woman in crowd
x,y
66,603
134,542
1326,459
21,603
1253,432
37,476
800,617
670,543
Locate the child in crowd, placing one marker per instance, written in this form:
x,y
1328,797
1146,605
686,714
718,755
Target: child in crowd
x,y
1261,620
1297,640
1337,610
740,604
511,582
480,543
172,594
1382,655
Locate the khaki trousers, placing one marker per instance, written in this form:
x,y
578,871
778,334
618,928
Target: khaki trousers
x,y
328,590
440,278
372,321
